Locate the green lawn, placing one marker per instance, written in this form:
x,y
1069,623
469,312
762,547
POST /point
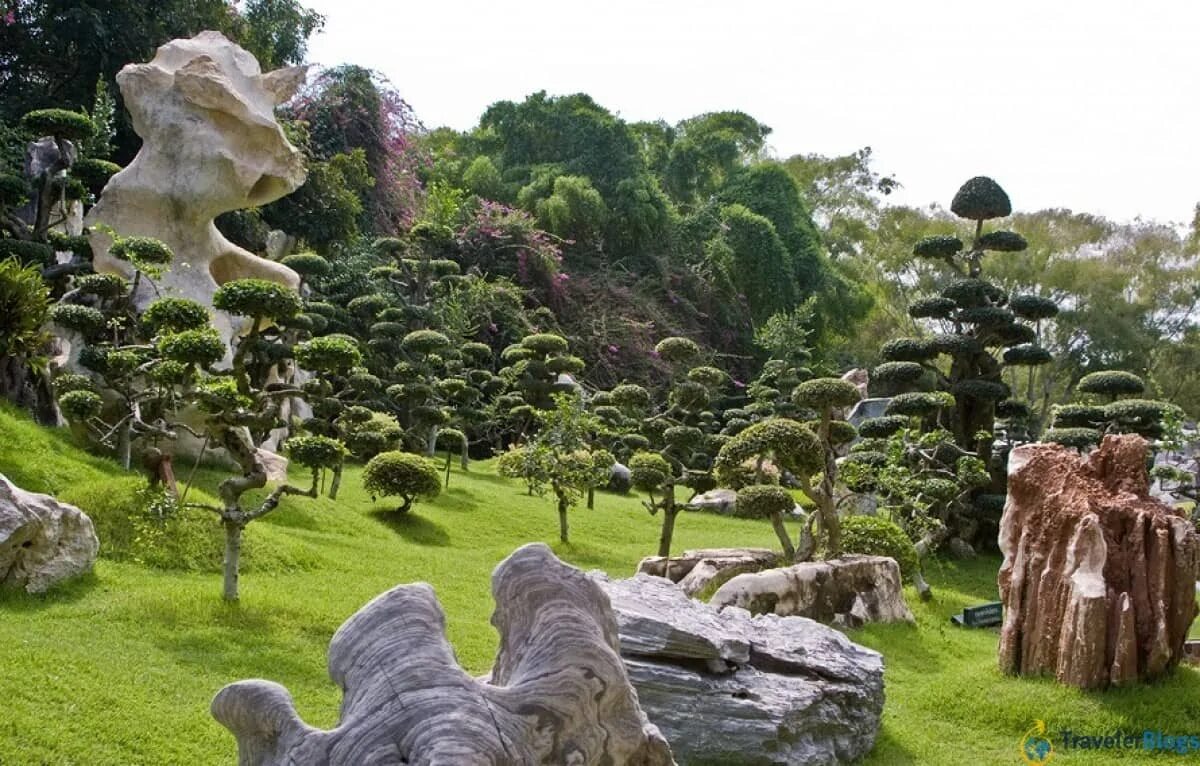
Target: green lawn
x,y
118,668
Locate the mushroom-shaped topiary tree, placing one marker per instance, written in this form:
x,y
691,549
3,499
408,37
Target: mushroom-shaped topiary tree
x,y
827,396
1111,403
404,475
792,447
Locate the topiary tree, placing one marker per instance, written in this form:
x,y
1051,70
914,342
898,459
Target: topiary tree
x,y
978,329
879,536
825,397
404,475
1111,403
790,446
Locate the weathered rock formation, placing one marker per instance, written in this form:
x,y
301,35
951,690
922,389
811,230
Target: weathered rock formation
x,y
211,144
693,570
558,693
848,591
727,688
42,541
1098,580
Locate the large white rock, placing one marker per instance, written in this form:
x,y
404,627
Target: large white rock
x,y
851,591
211,144
42,541
728,688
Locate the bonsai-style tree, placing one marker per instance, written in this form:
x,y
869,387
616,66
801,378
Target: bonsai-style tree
x,y
336,356
790,446
404,475
1111,404
977,327
560,459
825,397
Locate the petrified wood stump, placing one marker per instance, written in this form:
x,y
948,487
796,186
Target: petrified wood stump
x,y
1098,581
558,692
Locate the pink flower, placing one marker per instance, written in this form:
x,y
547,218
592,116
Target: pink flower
x,y
613,349
492,327
738,384
10,18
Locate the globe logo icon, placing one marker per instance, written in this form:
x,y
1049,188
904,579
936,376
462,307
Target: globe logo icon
x,y
1035,747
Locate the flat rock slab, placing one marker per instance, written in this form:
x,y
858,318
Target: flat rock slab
x,y
42,541
728,688
852,590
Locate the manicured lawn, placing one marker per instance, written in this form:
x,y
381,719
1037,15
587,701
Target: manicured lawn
x,y
118,668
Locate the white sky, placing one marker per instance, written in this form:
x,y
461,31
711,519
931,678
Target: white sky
x,y
1092,106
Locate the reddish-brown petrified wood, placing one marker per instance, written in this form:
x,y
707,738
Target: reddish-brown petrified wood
x,y
1099,578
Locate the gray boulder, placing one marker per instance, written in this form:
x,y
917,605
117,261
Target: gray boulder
x,y
620,479
42,541
728,688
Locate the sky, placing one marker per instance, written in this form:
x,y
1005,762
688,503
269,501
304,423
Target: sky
x,y
1092,106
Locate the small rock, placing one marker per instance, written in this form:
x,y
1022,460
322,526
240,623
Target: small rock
x,y
960,548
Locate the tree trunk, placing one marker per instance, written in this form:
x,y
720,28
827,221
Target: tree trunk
x,y
668,525
465,459
447,482
125,445
233,554
562,520
781,532
591,501
431,443
336,482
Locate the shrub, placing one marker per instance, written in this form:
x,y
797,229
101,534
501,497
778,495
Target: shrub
x,y
937,247
986,390
257,298
916,404
201,347
677,350
980,199
1033,307
315,451
877,536
1077,416
85,320
28,253
1026,354
401,474
174,315
94,173
141,251
100,285
825,393
60,123
649,471
1077,438
896,374
307,265
908,350
1112,383
762,501
425,342
329,354
545,344
14,190
80,404
881,427
1002,241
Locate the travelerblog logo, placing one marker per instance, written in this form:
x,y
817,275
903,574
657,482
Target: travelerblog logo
x,y
1038,745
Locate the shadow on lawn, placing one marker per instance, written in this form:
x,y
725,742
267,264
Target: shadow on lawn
x,y
412,527
16,600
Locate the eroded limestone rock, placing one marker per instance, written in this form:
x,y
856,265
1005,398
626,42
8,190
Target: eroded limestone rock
x,y
728,688
850,591
42,540
211,144
1099,578
695,569
558,692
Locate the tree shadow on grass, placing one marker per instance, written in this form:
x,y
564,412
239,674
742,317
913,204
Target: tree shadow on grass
x,y
412,527
16,600
888,750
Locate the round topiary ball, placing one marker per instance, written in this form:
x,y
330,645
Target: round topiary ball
x,y
401,474
333,354
425,342
572,365
105,286
141,251
1002,242
908,350
85,320
649,471
80,404
980,199
826,393
544,344
967,293
1033,307
308,265
984,390
27,253
257,298
877,536
14,190
1077,416
1027,355
1012,409
917,404
676,350
1112,383
94,173
882,427
762,501
934,307
1076,438
710,377
60,123
937,247
202,347
897,373
174,315
315,451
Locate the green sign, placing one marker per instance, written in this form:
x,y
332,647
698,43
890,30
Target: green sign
x,y
982,616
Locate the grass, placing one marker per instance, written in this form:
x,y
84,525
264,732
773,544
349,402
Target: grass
x,y
118,667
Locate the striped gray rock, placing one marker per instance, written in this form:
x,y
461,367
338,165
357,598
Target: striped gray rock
x,y
42,540
728,688
558,693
